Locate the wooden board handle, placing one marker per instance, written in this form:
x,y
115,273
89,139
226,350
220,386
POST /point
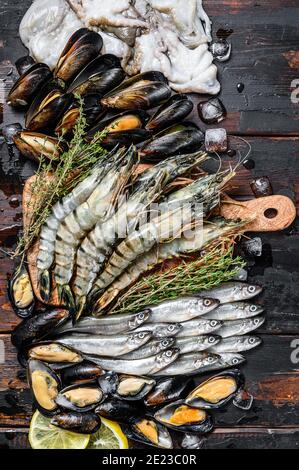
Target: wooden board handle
x,y
267,214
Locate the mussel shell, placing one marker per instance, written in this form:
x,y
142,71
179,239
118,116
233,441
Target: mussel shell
x,y
47,108
134,433
54,352
108,382
236,381
144,91
24,63
79,373
20,293
37,327
34,145
177,108
28,84
83,423
203,425
90,392
124,390
101,75
167,390
177,140
124,412
45,386
82,48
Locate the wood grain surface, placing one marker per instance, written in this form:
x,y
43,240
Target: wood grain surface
x,y
265,38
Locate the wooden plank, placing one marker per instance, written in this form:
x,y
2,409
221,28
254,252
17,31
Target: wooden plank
x,y
265,57
271,377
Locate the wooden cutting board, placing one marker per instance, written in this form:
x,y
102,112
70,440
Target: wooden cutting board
x,y
266,214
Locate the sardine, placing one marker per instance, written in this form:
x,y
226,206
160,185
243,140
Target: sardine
x,y
192,363
152,348
182,309
199,327
235,311
108,325
236,344
232,292
226,360
147,366
240,327
110,346
193,344
162,330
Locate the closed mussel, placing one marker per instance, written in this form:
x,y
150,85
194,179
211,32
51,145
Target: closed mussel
x,y
101,75
124,412
35,145
20,292
216,391
24,63
83,423
149,432
167,390
184,418
144,91
124,129
47,108
177,140
37,327
55,353
45,386
80,398
133,388
81,372
177,108
82,48
92,109
26,87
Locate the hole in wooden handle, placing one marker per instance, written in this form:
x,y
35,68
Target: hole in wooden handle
x,y
271,213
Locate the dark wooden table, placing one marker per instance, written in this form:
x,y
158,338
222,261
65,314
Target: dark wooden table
x,y
265,39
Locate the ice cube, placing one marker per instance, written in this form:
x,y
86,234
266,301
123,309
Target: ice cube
x,y
261,187
211,111
221,50
216,140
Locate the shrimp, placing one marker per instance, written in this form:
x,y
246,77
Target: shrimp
x,y
75,226
60,210
201,237
99,243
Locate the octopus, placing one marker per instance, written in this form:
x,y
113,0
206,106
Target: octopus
x,y
171,36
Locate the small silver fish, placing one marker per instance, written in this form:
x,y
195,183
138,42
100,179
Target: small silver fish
x,y
199,327
181,309
147,366
189,344
232,292
235,311
161,330
111,346
226,360
189,364
236,344
106,325
152,348
240,327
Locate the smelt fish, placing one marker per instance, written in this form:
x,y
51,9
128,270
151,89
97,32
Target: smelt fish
x,y
193,344
235,311
226,360
236,344
232,292
147,366
152,348
111,346
199,327
162,330
108,325
192,363
240,327
182,309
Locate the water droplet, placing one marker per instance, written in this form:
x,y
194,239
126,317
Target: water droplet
x,y
231,153
249,164
14,202
240,87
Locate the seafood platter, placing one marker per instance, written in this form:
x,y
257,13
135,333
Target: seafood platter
x,y
135,308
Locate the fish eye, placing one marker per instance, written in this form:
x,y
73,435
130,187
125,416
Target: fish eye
x,y
207,302
235,361
211,339
168,354
253,308
256,321
214,323
251,289
165,343
141,335
141,316
211,359
171,327
251,340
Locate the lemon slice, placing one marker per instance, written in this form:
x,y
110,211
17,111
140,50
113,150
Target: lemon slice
x,y
43,435
109,436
